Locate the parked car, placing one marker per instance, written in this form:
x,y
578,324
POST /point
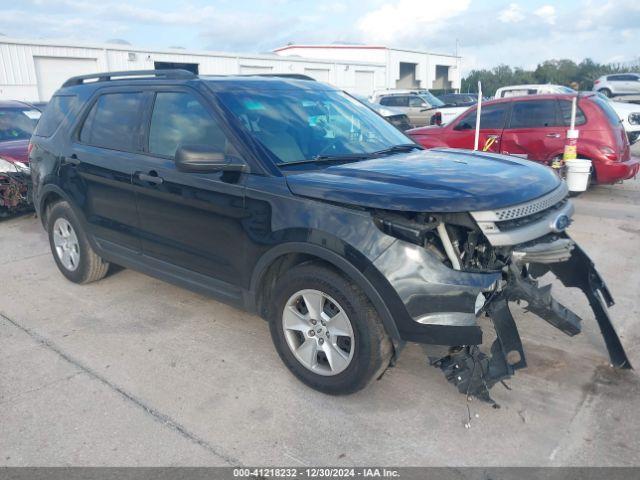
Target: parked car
x,y
531,89
394,116
458,99
618,84
535,127
17,121
629,113
419,105
310,210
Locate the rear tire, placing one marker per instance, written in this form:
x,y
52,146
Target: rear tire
x,y
606,92
71,250
348,347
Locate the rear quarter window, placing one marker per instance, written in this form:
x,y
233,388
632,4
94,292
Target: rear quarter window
x,y
56,111
565,111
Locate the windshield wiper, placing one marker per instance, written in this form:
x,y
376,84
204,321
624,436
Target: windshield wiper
x,y
404,147
352,157
331,158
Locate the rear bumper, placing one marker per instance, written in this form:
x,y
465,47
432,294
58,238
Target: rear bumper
x,y
612,172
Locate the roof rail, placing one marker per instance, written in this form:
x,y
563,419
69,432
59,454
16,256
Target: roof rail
x,y
141,74
295,76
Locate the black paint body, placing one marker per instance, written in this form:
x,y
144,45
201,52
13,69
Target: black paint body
x,y
219,233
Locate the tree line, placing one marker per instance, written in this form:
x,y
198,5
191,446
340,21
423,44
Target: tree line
x,y
579,76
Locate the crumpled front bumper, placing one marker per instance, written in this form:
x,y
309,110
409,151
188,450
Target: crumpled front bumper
x,y
474,372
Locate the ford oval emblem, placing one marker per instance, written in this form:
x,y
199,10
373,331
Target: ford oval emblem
x,y
561,223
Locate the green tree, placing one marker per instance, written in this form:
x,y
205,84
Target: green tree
x,y
560,72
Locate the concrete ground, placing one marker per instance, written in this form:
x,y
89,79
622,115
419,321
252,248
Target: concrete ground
x,y
133,371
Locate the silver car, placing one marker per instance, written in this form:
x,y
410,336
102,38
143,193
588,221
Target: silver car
x,y
618,84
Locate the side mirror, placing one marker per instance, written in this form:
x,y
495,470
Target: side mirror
x,y
206,159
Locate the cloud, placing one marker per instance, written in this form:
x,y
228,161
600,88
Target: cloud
x,y
512,14
547,13
407,19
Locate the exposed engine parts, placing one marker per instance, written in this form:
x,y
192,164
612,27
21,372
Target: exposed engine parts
x,y
14,192
458,242
474,372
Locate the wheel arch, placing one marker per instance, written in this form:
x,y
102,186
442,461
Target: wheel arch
x,y
290,254
49,195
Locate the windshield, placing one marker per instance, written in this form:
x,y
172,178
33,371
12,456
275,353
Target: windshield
x,y
431,99
17,123
299,125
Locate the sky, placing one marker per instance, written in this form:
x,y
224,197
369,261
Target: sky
x,y
488,32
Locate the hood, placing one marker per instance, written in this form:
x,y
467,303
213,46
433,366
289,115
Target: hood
x,y
388,111
15,151
623,109
439,180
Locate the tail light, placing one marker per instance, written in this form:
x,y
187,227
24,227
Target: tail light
x,y
596,82
436,119
609,152
29,148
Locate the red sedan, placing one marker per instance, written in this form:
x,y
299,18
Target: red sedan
x,y
535,127
17,121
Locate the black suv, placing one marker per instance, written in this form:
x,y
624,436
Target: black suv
x,y
293,200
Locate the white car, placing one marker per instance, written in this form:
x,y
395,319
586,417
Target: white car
x,y
629,114
532,89
618,84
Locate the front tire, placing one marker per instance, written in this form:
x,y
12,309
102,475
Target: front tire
x,y
326,331
71,250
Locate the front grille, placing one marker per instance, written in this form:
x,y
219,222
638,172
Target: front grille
x,y
524,209
506,225
525,222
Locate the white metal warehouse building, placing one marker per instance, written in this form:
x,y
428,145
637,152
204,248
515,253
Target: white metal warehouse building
x,y
32,70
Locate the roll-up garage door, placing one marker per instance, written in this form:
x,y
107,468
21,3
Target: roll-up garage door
x,y
52,72
364,82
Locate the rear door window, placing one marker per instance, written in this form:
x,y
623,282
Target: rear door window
x,y
179,118
534,114
114,122
57,109
395,101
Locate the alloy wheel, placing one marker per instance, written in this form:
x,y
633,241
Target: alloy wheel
x,y
318,332
66,244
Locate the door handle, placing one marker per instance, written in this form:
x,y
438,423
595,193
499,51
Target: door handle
x,y
151,177
553,135
71,160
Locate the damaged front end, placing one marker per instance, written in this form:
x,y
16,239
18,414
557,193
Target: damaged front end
x,y
15,187
519,245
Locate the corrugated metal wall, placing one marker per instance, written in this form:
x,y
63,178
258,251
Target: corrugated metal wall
x,y
18,76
